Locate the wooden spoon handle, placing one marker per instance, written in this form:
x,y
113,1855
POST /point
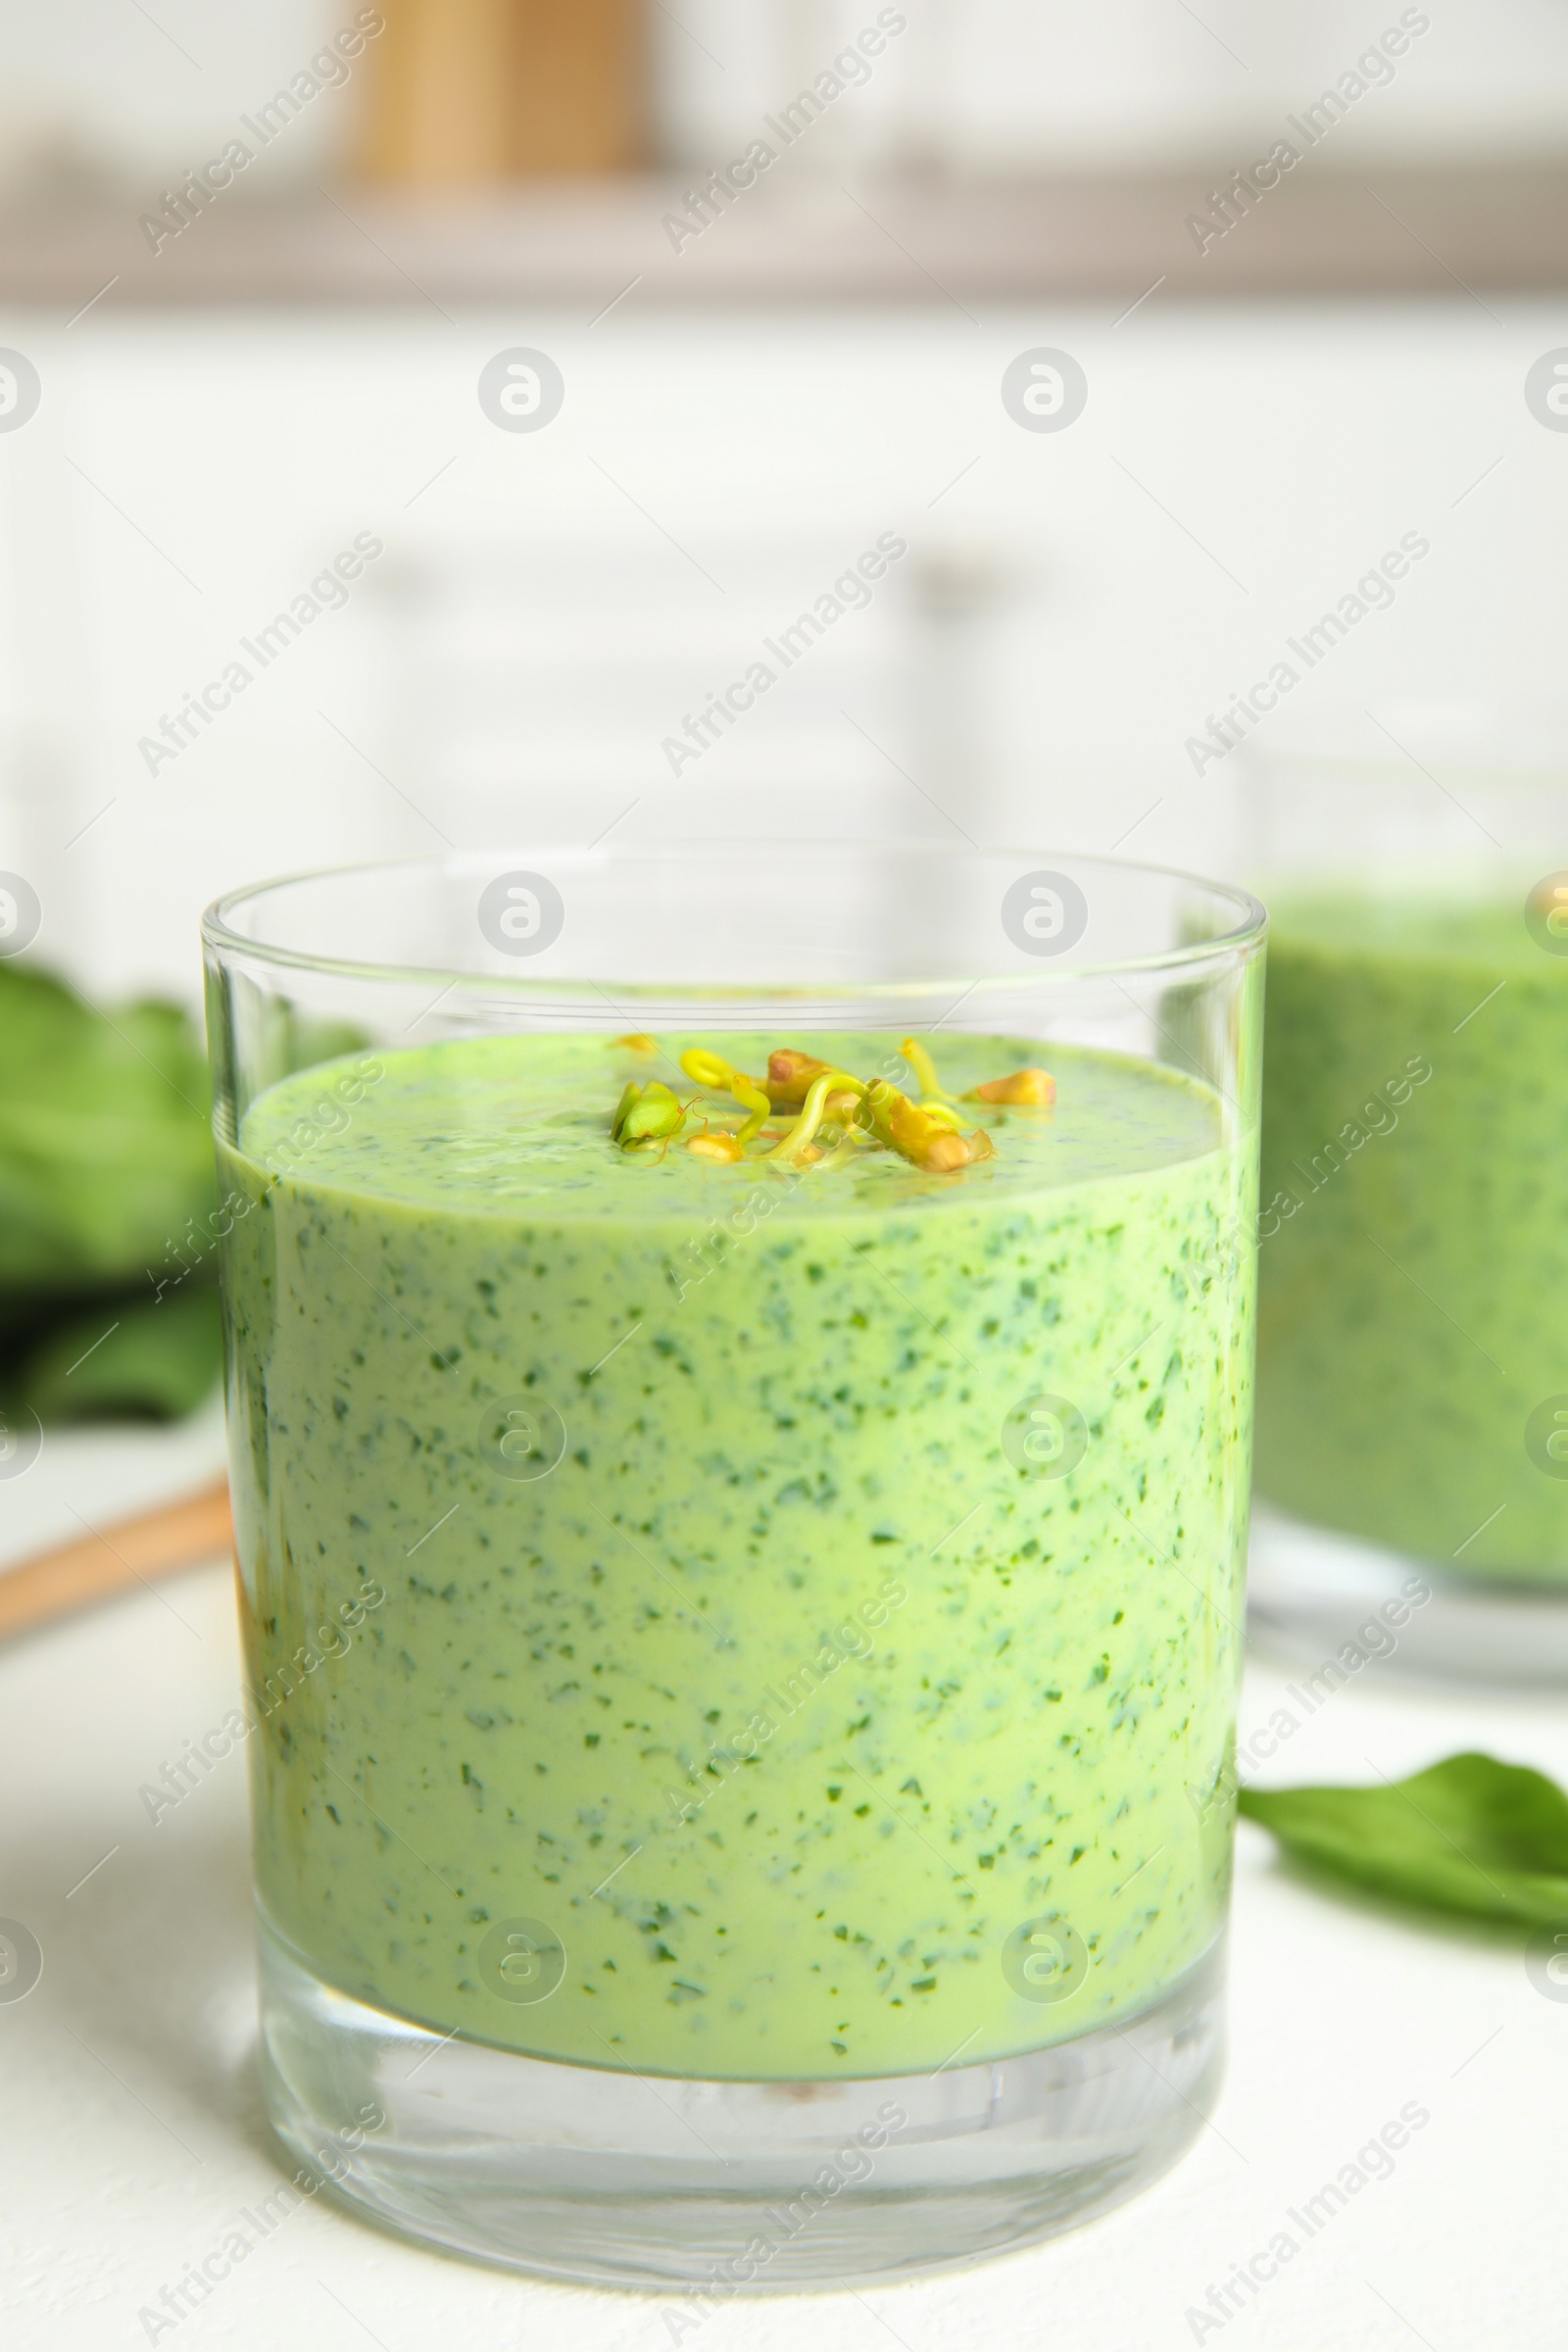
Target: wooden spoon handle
x,y
128,1551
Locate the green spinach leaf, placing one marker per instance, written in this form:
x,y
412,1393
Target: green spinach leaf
x,y
106,1188
1469,1834
133,1356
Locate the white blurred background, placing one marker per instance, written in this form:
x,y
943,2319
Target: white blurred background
x,y
116,95
1074,606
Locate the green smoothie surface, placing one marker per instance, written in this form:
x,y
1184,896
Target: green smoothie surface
x,y
813,1593
505,1127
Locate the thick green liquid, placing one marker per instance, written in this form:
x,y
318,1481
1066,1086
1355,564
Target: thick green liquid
x,y
1413,1270
785,1698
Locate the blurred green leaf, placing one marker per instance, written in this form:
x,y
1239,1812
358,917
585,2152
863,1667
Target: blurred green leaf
x,y
1468,1835
106,1173
157,1358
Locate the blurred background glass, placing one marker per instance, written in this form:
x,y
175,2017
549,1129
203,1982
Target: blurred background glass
x,y
1412,1258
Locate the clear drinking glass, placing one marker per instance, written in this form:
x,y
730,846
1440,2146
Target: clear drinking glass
x,y
742,1630
1412,1409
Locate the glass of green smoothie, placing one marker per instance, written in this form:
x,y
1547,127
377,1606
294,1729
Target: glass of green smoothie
x,y
1412,1410
740,1368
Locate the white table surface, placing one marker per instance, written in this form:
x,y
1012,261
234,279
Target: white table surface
x,y
131,2131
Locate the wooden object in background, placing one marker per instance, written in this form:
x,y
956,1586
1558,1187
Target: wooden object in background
x,y
189,1534
579,102
437,94
462,93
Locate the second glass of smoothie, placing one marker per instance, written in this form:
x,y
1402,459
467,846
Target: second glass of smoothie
x,y
740,1392
1412,1434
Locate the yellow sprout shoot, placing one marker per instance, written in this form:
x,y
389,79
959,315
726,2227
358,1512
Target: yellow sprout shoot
x,y
639,1042
830,1083
725,1148
924,1068
805,1126
948,1152
839,1115
897,1121
790,1076
712,1069
925,1133
1035,1088
708,1069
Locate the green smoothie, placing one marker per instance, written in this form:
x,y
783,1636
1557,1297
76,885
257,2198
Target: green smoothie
x,y
1414,1231
812,1592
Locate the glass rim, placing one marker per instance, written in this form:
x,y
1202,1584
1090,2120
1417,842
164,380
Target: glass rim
x,y
221,937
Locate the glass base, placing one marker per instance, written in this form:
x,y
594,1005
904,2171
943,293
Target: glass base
x,y
721,2189
1311,1591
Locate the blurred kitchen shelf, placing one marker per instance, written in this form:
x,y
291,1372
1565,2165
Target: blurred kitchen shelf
x,y
1394,230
